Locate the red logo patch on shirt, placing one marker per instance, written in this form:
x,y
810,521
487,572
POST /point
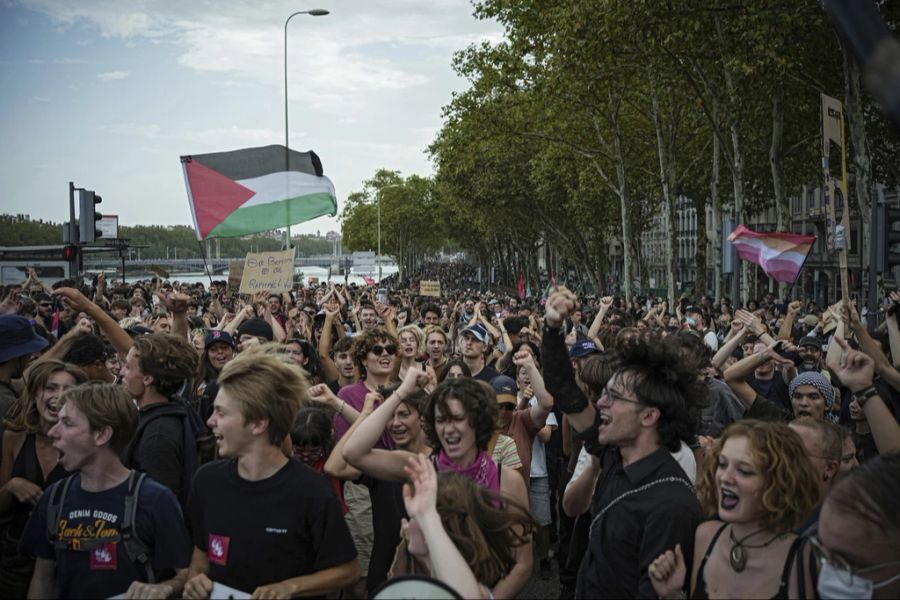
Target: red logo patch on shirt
x,y
104,558
217,550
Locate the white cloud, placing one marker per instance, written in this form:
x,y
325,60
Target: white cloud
x,y
112,75
70,61
335,62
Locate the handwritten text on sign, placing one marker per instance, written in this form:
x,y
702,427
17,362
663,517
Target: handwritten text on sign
x,y
430,288
268,271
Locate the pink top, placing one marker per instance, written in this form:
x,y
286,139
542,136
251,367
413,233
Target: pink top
x,y
483,470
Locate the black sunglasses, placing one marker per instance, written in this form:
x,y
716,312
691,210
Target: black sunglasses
x,y
378,349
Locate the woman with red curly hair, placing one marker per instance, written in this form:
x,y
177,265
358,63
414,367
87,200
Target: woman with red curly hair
x,y
759,483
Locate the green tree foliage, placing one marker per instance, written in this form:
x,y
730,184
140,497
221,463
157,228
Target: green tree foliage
x,y
158,241
591,117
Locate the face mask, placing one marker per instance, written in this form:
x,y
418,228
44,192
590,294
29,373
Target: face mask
x,y
691,321
831,585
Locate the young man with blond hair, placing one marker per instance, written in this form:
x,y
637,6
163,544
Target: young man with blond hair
x,y
263,523
81,530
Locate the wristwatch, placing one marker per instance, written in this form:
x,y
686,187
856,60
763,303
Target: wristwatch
x,y
863,395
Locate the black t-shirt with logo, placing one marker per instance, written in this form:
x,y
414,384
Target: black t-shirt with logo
x,y
256,533
87,518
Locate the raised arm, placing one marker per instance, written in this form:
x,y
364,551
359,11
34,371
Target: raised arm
x,y
755,325
360,449
737,374
336,465
856,370
447,564
331,371
117,336
605,305
787,324
322,395
737,335
559,376
177,305
544,403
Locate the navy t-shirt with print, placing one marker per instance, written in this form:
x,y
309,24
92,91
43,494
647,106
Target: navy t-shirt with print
x,y
96,517
256,533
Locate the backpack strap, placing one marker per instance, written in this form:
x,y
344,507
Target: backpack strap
x,y
135,548
57,493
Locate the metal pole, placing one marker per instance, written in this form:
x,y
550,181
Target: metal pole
x,y
316,12
378,258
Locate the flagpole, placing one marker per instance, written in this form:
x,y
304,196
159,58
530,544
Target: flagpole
x,y
316,12
799,272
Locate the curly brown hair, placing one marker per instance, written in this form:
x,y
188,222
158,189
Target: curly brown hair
x,y
791,490
486,535
478,401
167,358
365,341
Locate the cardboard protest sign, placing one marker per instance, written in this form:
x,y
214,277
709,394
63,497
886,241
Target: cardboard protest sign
x,y
430,288
159,271
268,271
235,273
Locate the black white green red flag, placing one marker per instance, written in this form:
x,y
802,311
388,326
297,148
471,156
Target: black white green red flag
x,y
255,189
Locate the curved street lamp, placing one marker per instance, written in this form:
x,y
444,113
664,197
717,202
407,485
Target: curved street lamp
x,y
315,12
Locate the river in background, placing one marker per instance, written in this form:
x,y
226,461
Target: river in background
x,y
356,275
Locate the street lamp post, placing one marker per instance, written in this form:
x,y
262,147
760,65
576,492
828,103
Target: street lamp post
x,y
316,12
378,258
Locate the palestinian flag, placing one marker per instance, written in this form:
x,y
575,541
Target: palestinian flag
x,y
255,189
781,255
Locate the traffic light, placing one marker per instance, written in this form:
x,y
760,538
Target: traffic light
x,y
886,257
88,217
70,252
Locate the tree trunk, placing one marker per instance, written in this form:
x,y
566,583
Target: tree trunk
x,y
668,201
716,209
776,162
614,105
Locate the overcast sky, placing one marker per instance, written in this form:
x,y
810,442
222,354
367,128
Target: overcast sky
x,y
109,93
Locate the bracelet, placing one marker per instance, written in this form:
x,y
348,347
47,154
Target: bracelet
x,y
862,396
341,409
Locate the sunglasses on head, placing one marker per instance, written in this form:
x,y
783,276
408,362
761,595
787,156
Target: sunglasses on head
x,y
378,349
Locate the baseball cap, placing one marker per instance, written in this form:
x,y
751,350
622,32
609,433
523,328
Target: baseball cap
x,y
505,388
216,335
810,341
478,331
17,338
583,348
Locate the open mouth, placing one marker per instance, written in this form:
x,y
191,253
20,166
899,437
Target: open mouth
x,y
452,442
385,362
605,420
728,499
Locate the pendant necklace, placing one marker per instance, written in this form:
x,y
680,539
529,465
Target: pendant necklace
x,y
738,555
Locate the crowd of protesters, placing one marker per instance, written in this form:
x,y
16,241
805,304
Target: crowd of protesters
x,y
165,440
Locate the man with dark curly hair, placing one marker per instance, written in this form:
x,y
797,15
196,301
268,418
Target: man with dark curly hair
x,y
643,502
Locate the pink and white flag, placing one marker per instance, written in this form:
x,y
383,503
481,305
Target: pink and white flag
x,y
780,255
